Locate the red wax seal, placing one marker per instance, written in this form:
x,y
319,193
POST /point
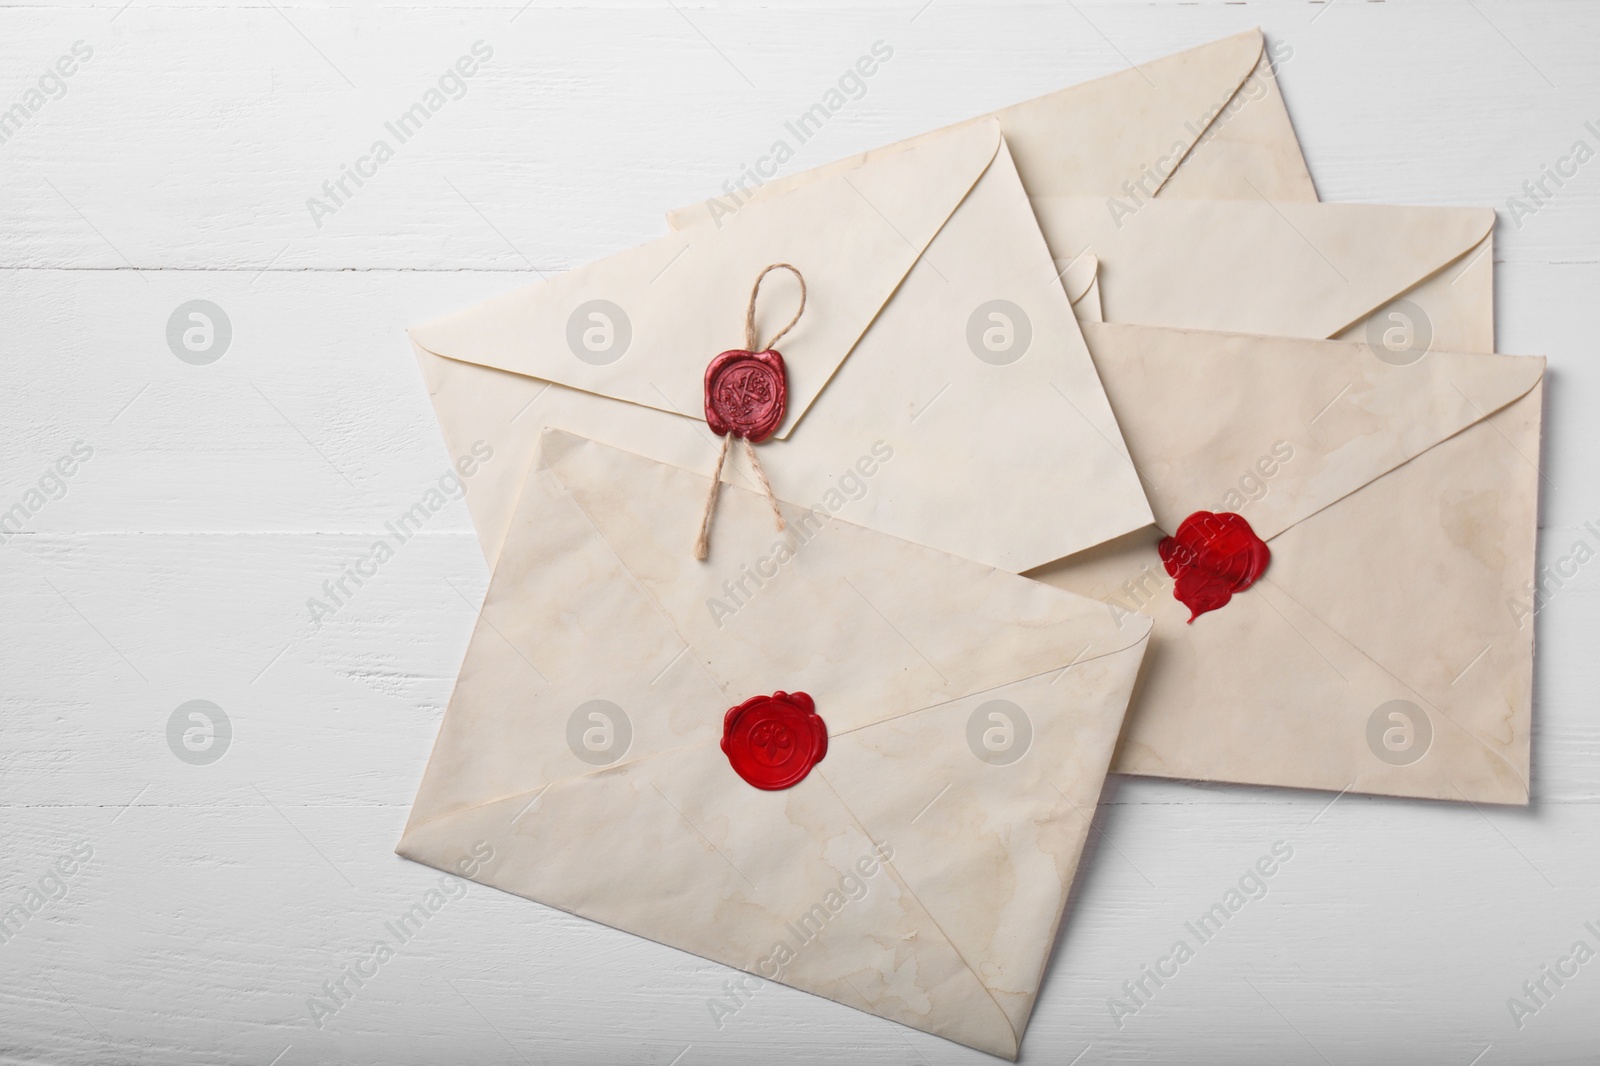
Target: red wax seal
x,y
1212,556
746,394
774,741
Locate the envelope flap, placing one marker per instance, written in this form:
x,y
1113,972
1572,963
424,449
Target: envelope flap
x,y
906,861
640,326
1139,121
787,885
882,626
1175,99
990,843
1276,428
1253,266
597,608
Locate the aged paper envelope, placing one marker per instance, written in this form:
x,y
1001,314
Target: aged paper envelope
x,y
935,327
1388,648
1405,277
918,872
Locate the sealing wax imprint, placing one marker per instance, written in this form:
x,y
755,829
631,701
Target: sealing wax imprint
x,y
1212,556
747,393
774,741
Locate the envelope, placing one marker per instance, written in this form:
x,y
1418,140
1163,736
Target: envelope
x,y
1421,276
919,871
935,336
1388,646
1206,123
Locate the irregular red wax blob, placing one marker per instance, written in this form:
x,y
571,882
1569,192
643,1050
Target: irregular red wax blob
x,y
774,741
1212,556
746,394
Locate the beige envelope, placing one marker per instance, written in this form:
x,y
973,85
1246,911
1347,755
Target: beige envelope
x,y
935,329
1208,122
919,872
1420,276
1388,647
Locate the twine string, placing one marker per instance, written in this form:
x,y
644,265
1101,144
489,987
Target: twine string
x,y
702,544
750,311
766,486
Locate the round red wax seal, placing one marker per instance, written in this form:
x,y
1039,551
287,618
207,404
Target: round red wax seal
x,y
746,393
1212,556
774,741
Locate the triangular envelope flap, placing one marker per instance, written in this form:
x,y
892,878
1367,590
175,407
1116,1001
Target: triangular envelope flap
x,y
571,668
1265,692
786,885
992,810
1174,99
881,625
1279,269
1455,305
597,607
1277,428
1250,149
641,325
950,935
1461,525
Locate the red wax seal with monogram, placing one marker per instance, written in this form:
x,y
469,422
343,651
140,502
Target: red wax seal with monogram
x,y
746,394
1212,556
774,741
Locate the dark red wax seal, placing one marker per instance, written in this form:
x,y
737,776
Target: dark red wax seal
x,y
1212,556
774,741
746,394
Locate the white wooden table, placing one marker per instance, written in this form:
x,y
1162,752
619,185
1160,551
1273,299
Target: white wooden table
x,y
204,903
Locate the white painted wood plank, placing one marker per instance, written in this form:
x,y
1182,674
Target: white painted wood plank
x,y
1379,934
123,628
195,135
316,419
219,900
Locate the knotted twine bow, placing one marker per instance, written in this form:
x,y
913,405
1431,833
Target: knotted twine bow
x,y
770,406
